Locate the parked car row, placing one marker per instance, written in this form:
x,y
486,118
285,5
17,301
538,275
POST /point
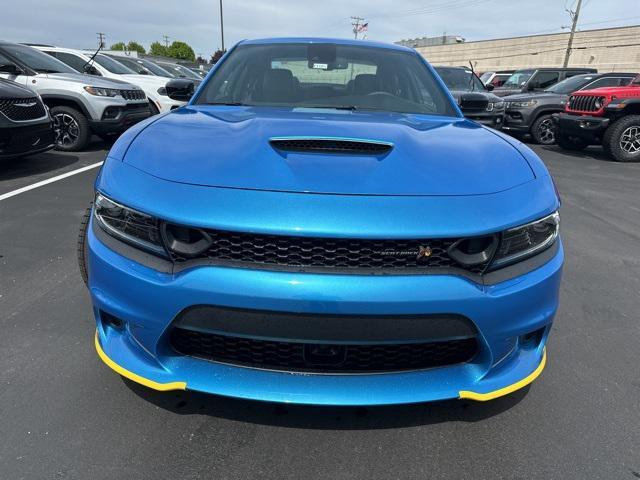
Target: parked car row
x,y
573,107
54,97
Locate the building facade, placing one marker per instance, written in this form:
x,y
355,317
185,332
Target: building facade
x,y
608,50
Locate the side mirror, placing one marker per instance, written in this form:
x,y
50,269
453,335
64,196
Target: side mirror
x,y
473,102
490,87
11,69
180,89
91,70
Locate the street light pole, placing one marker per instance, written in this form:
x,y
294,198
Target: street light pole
x,y
221,26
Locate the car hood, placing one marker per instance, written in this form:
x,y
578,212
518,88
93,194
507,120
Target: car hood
x,y
543,96
146,80
91,80
626,91
490,96
504,92
10,89
229,147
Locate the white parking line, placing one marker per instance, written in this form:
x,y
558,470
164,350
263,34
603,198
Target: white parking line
x,y
4,196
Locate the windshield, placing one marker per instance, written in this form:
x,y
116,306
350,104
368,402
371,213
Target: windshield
x,y
155,69
460,79
180,71
569,85
486,76
326,76
37,60
518,79
112,65
132,65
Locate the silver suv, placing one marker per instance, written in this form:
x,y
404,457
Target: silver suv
x,y
80,104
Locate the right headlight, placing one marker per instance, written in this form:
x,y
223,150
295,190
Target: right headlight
x,y
519,243
129,225
525,104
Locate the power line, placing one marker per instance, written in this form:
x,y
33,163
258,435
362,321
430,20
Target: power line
x,y
355,22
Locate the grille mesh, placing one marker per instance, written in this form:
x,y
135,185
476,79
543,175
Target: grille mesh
x,y
584,103
316,145
310,253
133,94
293,356
22,109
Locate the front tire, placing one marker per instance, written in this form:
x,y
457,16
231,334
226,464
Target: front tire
x,y
81,247
543,130
622,139
71,129
574,144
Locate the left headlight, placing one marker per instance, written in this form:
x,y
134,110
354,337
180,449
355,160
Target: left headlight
x,y
129,225
102,92
517,244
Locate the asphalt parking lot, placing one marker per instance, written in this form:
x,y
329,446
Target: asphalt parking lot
x,y
65,415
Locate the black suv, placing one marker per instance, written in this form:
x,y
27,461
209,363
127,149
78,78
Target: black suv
x,y
533,79
531,112
460,81
25,125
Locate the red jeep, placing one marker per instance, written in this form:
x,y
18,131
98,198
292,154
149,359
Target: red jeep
x,y
609,115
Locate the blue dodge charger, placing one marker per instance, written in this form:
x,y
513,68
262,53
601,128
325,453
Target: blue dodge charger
x,y
321,225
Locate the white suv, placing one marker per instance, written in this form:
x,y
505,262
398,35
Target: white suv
x,y
104,66
80,105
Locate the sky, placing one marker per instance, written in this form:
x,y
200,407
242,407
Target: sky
x,y
74,23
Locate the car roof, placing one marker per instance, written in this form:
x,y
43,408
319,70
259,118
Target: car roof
x,y
337,41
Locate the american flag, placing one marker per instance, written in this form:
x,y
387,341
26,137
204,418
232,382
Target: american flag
x,y
364,27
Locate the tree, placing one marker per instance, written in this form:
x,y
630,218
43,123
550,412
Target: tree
x,y
118,46
134,46
156,48
182,51
217,56
201,60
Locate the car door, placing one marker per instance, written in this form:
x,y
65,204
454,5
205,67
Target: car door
x,y
5,65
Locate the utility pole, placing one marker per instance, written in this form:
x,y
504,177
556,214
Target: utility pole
x,y
101,37
166,40
221,26
574,16
355,22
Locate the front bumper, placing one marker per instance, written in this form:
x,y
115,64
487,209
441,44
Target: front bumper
x,y
494,120
517,121
119,118
26,139
148,301
582,126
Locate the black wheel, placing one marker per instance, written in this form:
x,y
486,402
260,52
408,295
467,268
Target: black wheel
x,y
574,144
71,129
543,130
81,247
622,139
153,108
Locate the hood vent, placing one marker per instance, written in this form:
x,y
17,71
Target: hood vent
x,y
348,146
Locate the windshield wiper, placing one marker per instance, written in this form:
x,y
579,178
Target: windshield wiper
x,y
331,107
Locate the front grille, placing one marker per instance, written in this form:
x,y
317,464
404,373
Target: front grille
x,y
318,145
22,109
321,358
333,254
584,103
14,141
133,94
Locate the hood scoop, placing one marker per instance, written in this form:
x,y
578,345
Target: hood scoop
x,y
348,146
